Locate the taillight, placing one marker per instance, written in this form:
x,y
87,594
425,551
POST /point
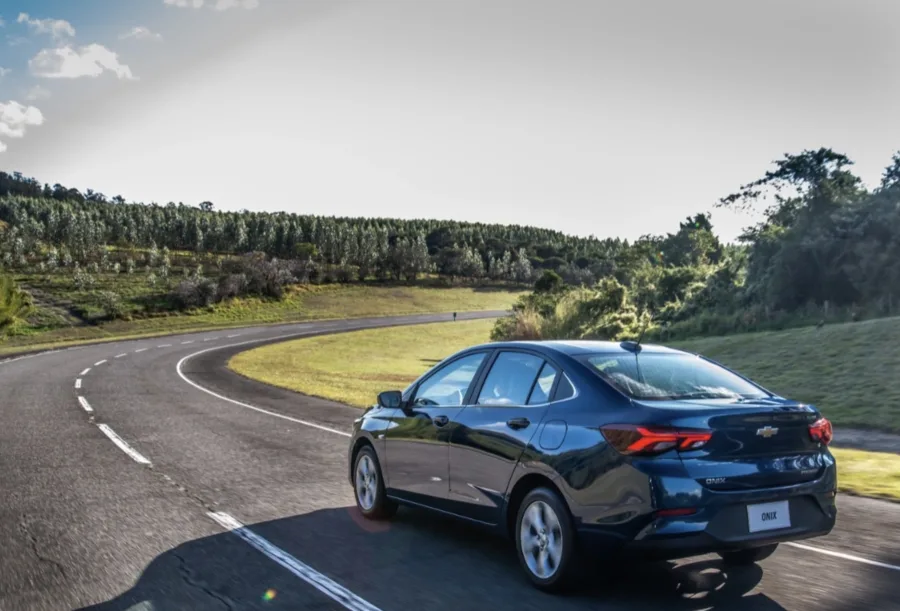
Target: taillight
x,y
647,440
821,431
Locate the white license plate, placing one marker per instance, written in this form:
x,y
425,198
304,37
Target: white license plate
x,y
769,516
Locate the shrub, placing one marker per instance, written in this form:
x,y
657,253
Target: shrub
x,y
111,304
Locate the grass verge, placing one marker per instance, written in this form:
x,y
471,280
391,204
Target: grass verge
x,y
300,304
874,474
354,367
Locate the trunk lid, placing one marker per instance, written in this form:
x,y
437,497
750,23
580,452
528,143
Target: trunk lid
x,y
756,443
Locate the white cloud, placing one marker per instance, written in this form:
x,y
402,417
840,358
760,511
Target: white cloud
x,y
2,23
37,93
66,62
219,5
58,28
224,5
184,3
4,71
15,41
15,118
140,33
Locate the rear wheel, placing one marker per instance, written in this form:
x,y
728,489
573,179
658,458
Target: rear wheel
x,y
748,556
368,486
545,540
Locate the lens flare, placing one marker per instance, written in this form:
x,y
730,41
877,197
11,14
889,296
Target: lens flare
x,y
269,595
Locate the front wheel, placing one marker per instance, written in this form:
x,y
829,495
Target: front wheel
x,y
545,540
748,556
368,486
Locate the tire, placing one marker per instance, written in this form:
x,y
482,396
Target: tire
x,y
746,557
545,541
368,487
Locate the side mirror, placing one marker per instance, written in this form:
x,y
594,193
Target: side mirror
x,y
390,399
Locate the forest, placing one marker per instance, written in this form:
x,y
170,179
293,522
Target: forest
x,y
825,248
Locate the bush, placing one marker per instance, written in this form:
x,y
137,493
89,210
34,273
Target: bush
x,y
111,304
194,292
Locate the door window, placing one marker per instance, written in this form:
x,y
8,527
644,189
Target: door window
x,y
510,380
449,385
543,386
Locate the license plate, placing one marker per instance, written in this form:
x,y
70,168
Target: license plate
x,y
769,516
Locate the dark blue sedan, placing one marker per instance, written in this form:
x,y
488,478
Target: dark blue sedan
x,y
575,448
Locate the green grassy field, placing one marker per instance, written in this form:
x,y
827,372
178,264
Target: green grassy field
x,y
300,303
838,375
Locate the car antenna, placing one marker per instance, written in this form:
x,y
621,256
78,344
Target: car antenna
x,y
636,346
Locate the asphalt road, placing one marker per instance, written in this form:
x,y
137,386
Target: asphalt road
x,y
138,504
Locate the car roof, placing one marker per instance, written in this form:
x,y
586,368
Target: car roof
x,y
580,347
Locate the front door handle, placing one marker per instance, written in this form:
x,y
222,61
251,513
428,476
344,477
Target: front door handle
x,y
518,423
440,421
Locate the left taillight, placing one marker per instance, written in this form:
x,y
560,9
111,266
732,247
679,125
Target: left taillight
x,y
821,431
643,440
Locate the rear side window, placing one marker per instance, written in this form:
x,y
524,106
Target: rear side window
x,y
660,377
541,391
564,390
511,379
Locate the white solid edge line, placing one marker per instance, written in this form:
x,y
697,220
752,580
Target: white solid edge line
x,y
84,404
134,454
323,584
844,556
85,372
78,383
247,405
98,363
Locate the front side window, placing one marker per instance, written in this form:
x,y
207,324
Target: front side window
x,y
660,377
510,380
449,385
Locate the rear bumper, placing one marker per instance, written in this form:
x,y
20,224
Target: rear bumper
x,y
721,528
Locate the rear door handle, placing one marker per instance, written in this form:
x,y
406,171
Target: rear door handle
x,y
440,421
518,423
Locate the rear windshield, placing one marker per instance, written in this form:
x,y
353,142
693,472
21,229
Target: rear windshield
x,y
660,377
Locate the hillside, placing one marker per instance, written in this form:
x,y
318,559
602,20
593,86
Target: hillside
x,y
848,370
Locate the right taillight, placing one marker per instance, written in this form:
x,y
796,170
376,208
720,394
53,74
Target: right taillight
x,y
821,431
643,440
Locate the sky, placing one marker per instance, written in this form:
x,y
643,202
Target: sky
x,y
613,119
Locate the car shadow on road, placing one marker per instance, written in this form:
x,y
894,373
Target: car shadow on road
x,y
417,561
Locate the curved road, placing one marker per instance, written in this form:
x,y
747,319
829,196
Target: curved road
x,y
143,475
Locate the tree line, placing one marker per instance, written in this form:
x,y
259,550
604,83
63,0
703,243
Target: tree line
x,y
826,249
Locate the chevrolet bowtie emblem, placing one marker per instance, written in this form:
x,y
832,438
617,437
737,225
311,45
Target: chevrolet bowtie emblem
x,y
767,431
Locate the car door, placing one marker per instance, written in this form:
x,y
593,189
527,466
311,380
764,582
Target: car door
x,y
495,429
417,436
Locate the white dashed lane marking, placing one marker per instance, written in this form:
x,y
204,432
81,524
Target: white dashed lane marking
x,y
118,356
120,443
78,383
98,363
323,584
164,346
185,343
85,372
85,405
140,350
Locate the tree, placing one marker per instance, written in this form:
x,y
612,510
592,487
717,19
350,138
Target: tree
x,y
207,206
549,282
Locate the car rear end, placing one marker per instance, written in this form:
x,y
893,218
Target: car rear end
x,y
727,470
